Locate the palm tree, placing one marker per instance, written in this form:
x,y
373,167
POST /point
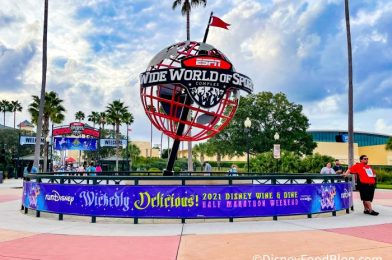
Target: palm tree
x,y
112,132
134,152
115,113
93,117
186,10
79,116
43,87
102,119
214,148
350,88
201,150
388,146
5,106
16,107
128,120
53,111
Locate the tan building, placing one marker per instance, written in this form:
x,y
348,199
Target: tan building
x,y
334,143
145,149
337,151
26,125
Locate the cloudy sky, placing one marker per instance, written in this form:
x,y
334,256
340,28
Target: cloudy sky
x,y
97,49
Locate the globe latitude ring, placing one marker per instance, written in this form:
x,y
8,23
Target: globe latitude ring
x,y
198,73
190,90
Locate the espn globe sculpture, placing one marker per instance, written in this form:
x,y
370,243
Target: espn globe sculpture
x,y
190,91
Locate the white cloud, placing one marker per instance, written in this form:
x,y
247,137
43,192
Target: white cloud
x,y
297,47
371,18
382,126
307,45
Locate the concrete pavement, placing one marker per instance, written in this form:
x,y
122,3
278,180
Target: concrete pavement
x,y
351,235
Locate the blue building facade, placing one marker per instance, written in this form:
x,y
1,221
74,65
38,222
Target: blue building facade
x,y
361,138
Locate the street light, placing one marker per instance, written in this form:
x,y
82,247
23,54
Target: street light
x,y
276,149
247,124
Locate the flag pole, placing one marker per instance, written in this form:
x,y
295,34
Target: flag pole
x,y
208,28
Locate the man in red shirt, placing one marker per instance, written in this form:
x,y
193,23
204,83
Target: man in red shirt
x,y
366,183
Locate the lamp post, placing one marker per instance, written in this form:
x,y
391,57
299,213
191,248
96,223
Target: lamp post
x,y
277,149
247,124
17,164
127,147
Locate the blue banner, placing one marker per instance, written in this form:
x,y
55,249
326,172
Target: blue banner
x,y
196,201
69,143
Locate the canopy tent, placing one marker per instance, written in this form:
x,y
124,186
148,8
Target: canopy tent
x,y
70,160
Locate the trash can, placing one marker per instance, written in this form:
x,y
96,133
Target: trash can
x,y
1,177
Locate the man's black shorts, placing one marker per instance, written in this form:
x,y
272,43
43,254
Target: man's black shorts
x,y
366,191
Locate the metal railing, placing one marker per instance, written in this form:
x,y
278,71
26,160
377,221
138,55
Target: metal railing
x,y
275,178
183,178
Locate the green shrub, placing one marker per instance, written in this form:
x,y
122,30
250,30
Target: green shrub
x,y
384,177
314,163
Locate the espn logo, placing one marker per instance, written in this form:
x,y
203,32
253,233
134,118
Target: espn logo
x,y
207,62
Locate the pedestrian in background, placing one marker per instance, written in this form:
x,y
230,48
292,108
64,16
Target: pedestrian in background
x,y
327,169
30,168
207,169
91,170
338,168
233,170
98,168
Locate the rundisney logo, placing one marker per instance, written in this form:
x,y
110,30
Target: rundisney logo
x,y
57,197
345,195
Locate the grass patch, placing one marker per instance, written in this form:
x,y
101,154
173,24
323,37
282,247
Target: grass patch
x,y
384,186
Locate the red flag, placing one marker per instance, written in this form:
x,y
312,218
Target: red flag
x,y
216,21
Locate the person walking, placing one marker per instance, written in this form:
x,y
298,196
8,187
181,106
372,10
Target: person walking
x,y
30,168
98,168
366,183
91,170
207,169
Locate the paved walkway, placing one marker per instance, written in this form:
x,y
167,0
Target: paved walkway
x,y
346,236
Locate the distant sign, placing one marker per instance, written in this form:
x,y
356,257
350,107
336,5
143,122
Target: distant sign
x,y
29,140
112,142
76,128
82,144
277,151
342,138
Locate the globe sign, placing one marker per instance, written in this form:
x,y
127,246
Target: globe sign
x,y
190,91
